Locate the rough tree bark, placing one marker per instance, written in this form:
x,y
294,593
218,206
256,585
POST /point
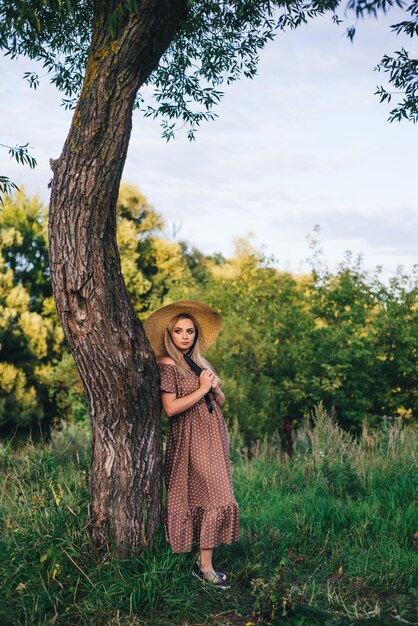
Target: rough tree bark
x,y
107,341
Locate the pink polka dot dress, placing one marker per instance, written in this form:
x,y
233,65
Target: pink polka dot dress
x,y
201,509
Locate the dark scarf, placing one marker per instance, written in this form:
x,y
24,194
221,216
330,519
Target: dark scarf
x,y
198,370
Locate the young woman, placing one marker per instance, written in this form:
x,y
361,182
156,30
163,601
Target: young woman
x,y
201,510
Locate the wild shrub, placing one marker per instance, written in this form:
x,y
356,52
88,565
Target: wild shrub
x,y
71,443
334,451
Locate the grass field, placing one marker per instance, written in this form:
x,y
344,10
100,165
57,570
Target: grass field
x,y
327,537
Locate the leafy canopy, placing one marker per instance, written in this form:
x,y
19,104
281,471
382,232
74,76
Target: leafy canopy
x,y
217,43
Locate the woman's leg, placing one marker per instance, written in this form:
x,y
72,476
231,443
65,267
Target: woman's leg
x,y
204,563
204,560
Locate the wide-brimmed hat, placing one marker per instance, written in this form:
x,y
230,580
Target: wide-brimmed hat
x,y
208,319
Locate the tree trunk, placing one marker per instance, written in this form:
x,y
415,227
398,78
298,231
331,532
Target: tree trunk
x,y
107,341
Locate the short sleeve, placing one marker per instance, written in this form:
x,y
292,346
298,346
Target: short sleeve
x,y
167,377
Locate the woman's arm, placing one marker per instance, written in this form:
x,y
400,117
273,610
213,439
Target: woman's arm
x,y
174,406
219,395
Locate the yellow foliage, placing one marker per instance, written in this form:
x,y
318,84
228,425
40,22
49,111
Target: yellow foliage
x,y
13,381
405,413
58,338
320,323
133,202
6,280
10,376
303,279
127,236
227,271
373,313
10,237
5,316
42,373
18,298
35,329
48,308
21,209
169,259
246,256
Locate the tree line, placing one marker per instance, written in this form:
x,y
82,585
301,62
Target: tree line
x,y
288,341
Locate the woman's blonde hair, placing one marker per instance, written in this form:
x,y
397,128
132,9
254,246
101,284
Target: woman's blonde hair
x,y
177,354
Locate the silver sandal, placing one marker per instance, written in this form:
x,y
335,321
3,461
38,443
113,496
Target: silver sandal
x,y
211,577
219,574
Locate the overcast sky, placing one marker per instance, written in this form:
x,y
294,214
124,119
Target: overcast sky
x,y
304,143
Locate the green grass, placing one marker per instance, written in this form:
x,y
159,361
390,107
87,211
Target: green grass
x,y
327,537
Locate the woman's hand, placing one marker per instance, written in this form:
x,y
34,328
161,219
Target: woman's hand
x,y
206,379
215,383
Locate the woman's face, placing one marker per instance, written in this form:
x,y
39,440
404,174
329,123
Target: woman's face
x,y
183,334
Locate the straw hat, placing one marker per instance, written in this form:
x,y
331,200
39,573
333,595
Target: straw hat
x,y
208,319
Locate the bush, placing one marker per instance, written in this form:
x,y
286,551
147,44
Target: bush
x,y
71,443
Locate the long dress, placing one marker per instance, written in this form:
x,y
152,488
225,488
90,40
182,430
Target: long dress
x,y
201,510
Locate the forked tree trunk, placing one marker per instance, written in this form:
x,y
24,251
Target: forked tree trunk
x,y
107,341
